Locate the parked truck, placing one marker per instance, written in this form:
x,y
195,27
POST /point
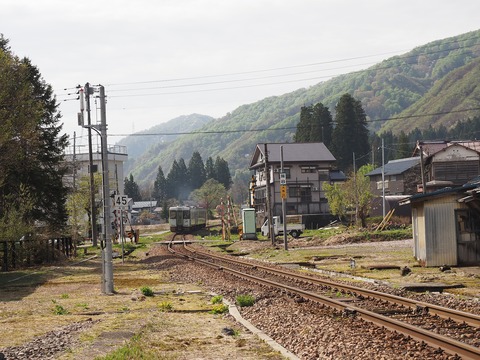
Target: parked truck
x,y
294,226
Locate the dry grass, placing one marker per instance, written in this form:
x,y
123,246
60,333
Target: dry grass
x,y
128,325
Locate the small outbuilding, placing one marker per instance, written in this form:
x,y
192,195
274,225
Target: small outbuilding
x,y
446,226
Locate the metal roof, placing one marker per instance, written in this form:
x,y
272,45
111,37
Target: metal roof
x,y
431,147
441,192
144,204
293,152
396,167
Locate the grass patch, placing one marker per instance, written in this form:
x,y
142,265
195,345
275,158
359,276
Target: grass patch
x,y
59,309
165,306
217,299
147,291
134,349
245,300
219,309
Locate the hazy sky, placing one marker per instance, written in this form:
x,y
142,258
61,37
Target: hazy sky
x,y
159,59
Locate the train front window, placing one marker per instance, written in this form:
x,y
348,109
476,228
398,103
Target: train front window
x,y
173,214
186,214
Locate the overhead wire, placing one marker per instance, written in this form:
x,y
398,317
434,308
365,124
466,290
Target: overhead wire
x,y
406,56
282,128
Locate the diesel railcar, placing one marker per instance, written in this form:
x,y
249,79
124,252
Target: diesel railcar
x,y
184,219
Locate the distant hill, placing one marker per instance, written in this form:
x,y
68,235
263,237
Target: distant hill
x,y
139,143
438,78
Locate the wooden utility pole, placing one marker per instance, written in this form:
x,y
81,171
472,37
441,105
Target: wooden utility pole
x,y
268,207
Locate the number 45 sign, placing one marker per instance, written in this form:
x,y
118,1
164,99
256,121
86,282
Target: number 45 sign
x,y
121,201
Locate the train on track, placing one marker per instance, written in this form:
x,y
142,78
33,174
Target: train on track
x,y
185,219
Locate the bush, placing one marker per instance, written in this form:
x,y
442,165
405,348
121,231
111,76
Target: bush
x,y
217,299
245,300
147,291
219,309
60,310
165,306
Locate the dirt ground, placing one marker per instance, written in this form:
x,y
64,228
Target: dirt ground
x,y
177,322
38,308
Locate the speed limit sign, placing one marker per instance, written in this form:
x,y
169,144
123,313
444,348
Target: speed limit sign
x,y
121,201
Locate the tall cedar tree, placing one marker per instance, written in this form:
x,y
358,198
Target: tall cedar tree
x,y
210,168
304,126
173,178
131,189
196,171
31,146
315,125
322,124
160,186
222,172
350,135
183,183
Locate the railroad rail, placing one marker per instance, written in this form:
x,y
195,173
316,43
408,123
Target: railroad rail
x,y
446,313
435,340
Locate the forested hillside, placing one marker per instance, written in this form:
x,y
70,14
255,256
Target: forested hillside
x,y
138,143
431,85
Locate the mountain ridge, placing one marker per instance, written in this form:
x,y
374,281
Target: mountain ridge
x,y
398,87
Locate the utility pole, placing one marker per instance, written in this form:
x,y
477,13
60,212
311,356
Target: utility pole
x,y
106,244
355,189
383,179
107,239
422,170
268,205
285,243
93,208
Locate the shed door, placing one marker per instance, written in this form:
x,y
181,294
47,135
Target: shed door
x,y
468,237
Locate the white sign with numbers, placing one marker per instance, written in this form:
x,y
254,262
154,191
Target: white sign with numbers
x,y
121,201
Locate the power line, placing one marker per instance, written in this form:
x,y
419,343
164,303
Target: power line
x,y
407,56
301,65
283,128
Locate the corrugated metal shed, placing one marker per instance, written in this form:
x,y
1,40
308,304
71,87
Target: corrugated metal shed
x,y
440,232
434,225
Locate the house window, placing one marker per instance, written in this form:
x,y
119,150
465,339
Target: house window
x,y
308,169
379,185
456,171
302,192
323,175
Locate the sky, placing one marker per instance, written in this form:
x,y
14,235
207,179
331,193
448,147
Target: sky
x,y
160,59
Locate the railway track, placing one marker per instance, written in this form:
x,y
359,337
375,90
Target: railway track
x,y
358,301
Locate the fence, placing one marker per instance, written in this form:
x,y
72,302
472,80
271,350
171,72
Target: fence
x,y
16,254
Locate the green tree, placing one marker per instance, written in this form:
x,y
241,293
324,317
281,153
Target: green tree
x,y
350,134
183,185
315,125
210,169
322,126
31,146
222,172
405,149
160,187
336,199
209,195
131,189
196,171
79,208
304,126
359,194
354,195
173,179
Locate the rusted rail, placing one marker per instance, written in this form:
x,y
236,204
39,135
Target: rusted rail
x,y
446,313
435,340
